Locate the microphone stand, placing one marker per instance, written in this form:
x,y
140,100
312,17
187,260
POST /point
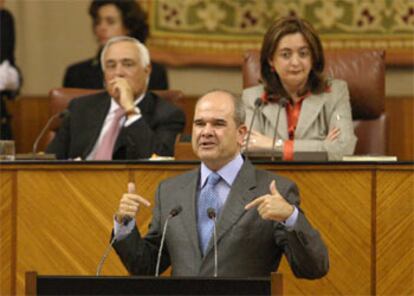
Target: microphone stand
x,y
282,103
157,268
62,114
174,212
257,104
211,213
106,253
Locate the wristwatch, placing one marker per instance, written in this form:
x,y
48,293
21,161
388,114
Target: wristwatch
x,y
279,145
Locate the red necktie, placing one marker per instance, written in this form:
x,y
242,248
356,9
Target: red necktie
x,y
106,147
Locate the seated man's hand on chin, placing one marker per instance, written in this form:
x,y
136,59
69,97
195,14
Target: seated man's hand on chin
x,y
121,91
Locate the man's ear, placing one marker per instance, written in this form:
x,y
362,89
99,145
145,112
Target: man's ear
x,y
242,131
148,69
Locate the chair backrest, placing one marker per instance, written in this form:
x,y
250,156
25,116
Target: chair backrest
x,y
364,71
59,99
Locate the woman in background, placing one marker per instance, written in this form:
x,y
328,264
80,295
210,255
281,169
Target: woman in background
x,y
316,111
113,18
10,78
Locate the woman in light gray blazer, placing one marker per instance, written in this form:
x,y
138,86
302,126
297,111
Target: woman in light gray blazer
x,y
316,111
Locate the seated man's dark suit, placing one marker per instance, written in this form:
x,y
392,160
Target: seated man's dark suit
x,y
154,132
247,244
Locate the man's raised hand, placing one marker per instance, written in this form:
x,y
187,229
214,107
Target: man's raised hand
x,y
129,204
272,206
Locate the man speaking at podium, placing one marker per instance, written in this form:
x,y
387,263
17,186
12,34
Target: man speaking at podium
x,y
258,213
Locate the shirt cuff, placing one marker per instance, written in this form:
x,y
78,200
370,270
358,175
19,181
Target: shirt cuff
x,y
131,119
291,221
121,231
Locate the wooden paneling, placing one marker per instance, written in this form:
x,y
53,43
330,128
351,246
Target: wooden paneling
x,y
395,234
72,211
29,115
73,218
400,125
7,239
340,209
65,215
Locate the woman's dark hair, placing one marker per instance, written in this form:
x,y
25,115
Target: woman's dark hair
x,y
134,17
280,28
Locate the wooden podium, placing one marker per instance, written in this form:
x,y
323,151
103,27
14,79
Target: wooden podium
x,y
364,212
149,285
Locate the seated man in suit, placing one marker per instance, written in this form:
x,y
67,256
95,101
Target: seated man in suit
x,y
125,121
258,213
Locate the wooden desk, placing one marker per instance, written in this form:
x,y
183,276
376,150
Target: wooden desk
x,y
56,219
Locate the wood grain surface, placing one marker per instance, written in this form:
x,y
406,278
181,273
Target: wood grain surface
x,y
7,234
64,216
395,234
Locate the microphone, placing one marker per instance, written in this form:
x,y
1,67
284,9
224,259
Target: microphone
x,y
282,103
59,115
211,213
257,104
174,212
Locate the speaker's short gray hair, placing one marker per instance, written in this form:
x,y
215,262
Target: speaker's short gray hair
x,y
239,110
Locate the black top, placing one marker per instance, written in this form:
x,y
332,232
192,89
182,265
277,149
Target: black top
x,y
6,53
6,36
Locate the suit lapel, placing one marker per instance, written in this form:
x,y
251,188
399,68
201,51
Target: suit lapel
x,y
147,105
240,194
100,110
188,193
282,130
270,112
311,107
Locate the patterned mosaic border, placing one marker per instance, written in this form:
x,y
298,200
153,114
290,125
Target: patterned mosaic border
x,y
219,31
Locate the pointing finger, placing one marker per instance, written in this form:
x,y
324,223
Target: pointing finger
x,y
139,199
134,199
254,203
143,201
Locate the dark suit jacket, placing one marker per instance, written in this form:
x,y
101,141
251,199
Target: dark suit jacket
x,y
7,42
155,132
247,244
88,74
